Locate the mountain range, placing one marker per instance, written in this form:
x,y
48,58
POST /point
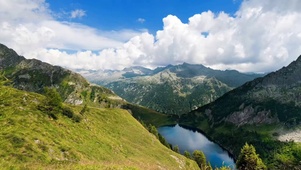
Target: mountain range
x,y
174,89
94,128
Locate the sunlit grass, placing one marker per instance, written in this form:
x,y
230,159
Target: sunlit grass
x,y
103,139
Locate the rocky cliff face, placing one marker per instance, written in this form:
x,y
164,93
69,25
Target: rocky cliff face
x,y
34,75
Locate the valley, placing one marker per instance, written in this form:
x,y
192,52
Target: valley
x,y
150,85
263,112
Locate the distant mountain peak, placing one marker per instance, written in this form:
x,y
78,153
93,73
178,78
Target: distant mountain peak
x,y
174,88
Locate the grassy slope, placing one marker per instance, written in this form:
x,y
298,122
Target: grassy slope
x,y
104,139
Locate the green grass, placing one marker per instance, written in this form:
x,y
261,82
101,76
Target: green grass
x,y
103,139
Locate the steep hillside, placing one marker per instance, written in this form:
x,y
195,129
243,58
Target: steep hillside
x,y
103,139
173,89
258,112
271,99
34,75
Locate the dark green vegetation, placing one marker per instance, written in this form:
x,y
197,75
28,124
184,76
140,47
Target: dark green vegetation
x,y
200,159
173,89
249,160
149,116
257,112
70,124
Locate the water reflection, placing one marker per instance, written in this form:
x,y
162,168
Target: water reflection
x,y
191,140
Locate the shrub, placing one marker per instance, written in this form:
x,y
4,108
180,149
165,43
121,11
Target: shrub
x,y
67,111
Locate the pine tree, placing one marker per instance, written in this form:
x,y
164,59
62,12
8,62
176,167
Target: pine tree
x,y
249,160
200,158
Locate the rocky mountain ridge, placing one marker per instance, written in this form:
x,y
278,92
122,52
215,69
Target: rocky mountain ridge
x,y
172,89
273,98
33,75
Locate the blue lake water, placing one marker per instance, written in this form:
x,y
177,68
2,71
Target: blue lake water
x,y
189,140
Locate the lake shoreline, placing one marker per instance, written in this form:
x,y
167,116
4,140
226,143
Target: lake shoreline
x,y
203,133
208,138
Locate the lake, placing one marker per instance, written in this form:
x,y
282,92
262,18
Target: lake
x,y
189,140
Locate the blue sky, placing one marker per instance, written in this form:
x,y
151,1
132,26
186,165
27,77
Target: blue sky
x,y
246,35
138,14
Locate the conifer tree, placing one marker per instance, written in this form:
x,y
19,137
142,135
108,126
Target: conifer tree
x,y
249,160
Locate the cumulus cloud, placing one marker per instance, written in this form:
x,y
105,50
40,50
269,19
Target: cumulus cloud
x,y
29,25
262,36
78,13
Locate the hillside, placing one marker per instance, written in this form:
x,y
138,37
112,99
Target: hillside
x,y
172,89
103,139
34,75
259,112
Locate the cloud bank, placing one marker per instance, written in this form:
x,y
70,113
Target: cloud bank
x,y
262,36
29,27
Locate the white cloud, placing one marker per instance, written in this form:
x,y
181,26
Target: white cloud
x,y
262,36
29,25
78,13
141,20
